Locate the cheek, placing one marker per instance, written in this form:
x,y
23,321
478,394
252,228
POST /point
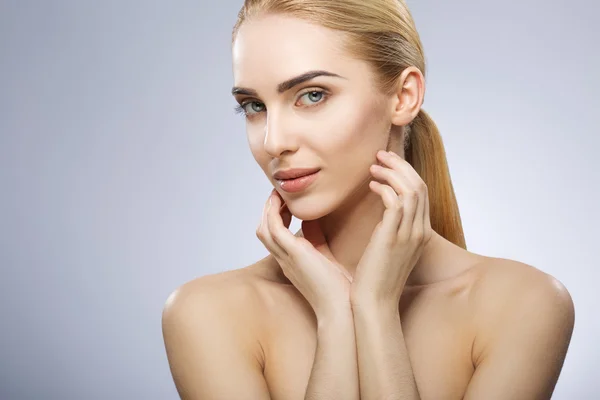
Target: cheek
x,y
255,138
355,129
254,142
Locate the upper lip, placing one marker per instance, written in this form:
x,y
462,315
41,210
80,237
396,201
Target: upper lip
x,y
294,173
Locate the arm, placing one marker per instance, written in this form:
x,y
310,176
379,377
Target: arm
x,y
383,363
208,357
334,374
520,355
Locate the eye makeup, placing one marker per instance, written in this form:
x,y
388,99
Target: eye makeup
x,y
242,107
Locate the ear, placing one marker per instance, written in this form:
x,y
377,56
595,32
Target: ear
x,y
407,100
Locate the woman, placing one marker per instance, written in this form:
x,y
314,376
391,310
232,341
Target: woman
x,y
376,297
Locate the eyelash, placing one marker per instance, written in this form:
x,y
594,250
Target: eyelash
x,y
241,109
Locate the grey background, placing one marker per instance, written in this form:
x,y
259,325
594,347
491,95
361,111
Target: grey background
x,y
124,172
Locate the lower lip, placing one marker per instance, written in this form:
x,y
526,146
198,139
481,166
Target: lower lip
x,y
298,184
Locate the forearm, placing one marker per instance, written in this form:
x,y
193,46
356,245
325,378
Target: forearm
x,y
384,367
334,374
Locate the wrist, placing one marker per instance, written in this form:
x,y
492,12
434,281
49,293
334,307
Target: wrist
x,y
338,315
374,305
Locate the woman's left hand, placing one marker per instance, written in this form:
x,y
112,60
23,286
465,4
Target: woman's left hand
x,y
397,241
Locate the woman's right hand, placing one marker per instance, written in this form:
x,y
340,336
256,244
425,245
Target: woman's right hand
x,y
305,260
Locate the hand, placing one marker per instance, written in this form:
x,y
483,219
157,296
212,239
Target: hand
x,y
305,260
398,240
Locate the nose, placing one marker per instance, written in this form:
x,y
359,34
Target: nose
x,y
278,136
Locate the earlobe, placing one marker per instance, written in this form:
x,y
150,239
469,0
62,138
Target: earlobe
x,y
408,98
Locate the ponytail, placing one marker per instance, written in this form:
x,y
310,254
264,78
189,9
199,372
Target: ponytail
x,y
424,150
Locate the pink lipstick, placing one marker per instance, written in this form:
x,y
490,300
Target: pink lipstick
x,y
296,180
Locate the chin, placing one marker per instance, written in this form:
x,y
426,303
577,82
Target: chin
x,y
307,212
309,208
313,206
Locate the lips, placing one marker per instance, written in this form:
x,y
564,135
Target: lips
x,y
298,184
294,173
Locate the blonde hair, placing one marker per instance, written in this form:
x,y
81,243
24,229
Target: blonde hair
x,y
383,33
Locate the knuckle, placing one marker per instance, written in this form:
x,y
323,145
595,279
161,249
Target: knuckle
x,y
427,238
398,205
389,243
418,236
402,238
269,225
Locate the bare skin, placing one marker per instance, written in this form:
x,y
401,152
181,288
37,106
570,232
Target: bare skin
x,y
436,320
248,333
474,327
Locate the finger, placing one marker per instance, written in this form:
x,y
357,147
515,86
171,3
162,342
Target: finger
x,y
412,176
392,177
397,163
393,214
411,201
393,160
265,236
418,227
284,211
404,189
280,234
427,223
404,179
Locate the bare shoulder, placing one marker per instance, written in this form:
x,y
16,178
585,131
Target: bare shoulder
x,y
239,294
212,330
508,294
232,295
501,282
227,288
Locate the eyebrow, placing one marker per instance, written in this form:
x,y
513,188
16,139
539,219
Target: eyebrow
x,y
287,85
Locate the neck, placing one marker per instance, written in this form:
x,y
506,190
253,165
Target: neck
x,y
349,228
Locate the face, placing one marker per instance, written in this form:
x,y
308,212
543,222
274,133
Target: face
x,y
335,123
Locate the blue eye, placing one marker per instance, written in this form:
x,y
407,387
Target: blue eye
x,y
314,96
242,108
